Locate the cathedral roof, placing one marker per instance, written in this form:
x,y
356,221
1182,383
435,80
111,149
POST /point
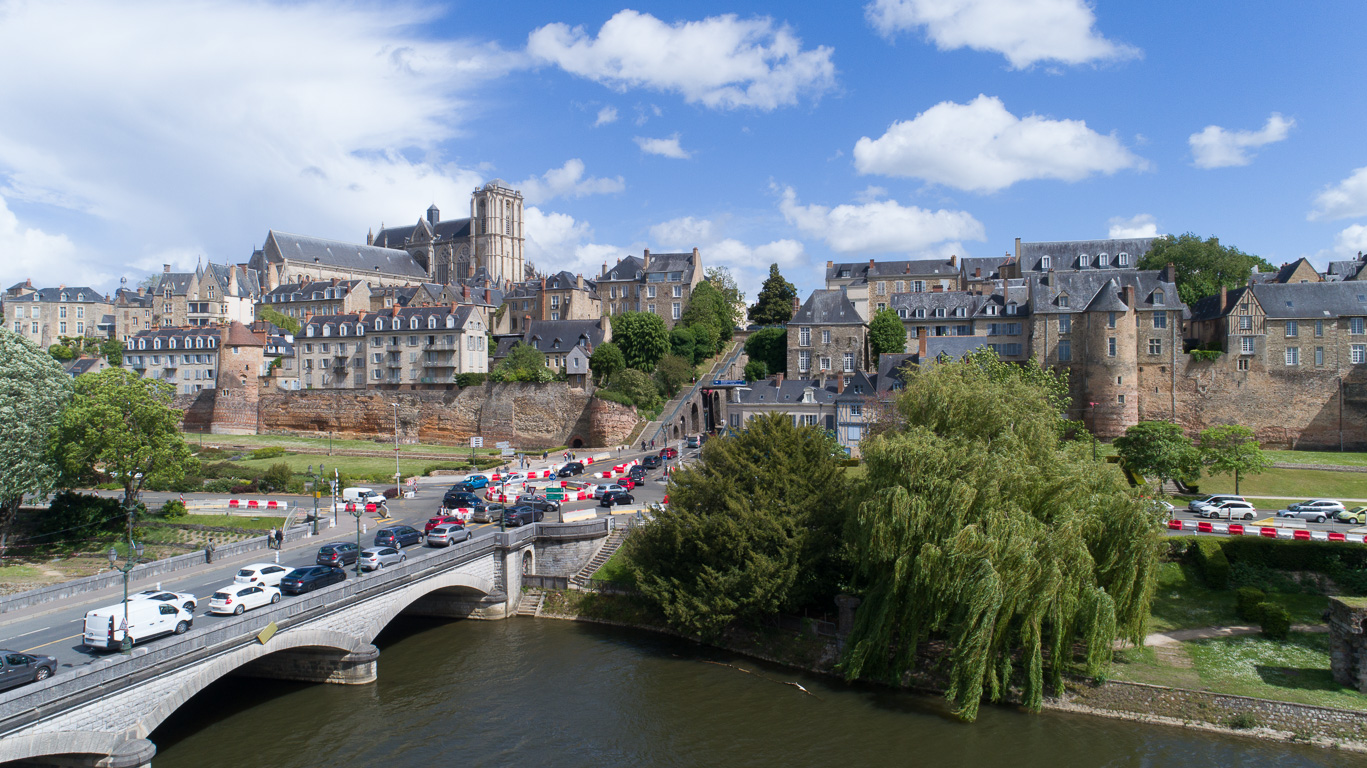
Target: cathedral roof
x,y
347,256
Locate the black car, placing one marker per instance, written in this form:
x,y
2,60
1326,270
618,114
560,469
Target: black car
x,y
522,515
397,536
462,487
638,473
539,503
337,553
20,668
311,577
651,462
457,499
571,469
616,497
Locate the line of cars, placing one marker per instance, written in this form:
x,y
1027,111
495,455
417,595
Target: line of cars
x,y
1233,507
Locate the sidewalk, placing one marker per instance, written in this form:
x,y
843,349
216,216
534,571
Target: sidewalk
x,y
1178,636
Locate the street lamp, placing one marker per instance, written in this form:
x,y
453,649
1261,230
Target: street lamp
x,y
356,511
134,555
397,476
314,478
1092,407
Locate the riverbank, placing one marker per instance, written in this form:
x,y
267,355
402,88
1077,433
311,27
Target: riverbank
x,y
1206,711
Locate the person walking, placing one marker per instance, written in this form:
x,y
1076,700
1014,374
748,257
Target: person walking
x,y
270,539
209,551
279,538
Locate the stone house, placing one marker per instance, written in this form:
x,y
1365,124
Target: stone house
x,y
557,339
562,296
1112,254
1287,327
809,402
132,313
185,357
406,347
45,315
318,297
1298,271
659,283
871,285
620,288
1346,269
827,336
213,294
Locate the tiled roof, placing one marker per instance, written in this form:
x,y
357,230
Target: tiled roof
x,y
1082,289
863,271
629,268
1311,300
672,262
74,295
789,392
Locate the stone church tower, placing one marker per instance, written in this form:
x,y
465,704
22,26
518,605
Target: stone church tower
x,y
496,226
237,394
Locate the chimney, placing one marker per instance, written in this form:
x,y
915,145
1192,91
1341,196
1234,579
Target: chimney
x,y
465,293
870,267
232,280
165,267
778,380
977,271
646,259
797,305
1224,299
840,385
334,281
921,342
1018,248
954,260
488,296
695,255
140,290
605,269
1129,296
579,284
1170,272
370,237
831,264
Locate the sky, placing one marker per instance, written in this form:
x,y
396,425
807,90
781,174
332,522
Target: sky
x,y
139,133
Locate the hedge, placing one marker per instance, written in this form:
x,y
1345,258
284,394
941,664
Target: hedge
x,y
1343,562
1247,601
1210,558
1275,620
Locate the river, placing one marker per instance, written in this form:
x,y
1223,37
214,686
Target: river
x,y
542,692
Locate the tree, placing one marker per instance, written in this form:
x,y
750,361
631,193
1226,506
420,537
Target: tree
x,y
276,478
633,387
983,528
123,425
606,360
1232,450
774,305
279,320
752,529
61,353
643,337
886,333
1159,449
682,342
673,372
33,392
725,283
112,350
1202,265
523,363
756,370
708,342
708,306
769,346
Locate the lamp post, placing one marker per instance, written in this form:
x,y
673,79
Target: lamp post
x,y
134,555
1092,408
398,494
356,511
314,478
336,479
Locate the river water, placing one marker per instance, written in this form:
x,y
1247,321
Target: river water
x,y
541,692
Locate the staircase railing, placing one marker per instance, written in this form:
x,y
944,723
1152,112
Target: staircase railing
x,y
660,434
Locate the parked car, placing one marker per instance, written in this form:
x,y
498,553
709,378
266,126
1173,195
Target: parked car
x,y
1163,507
441,520
268,574
651,462
694,441
599,490
618,496
538,502
237,598
669,453
1355,515
337,553
446,534
147,619
1330,507
397,536
183,599
311,577
1196,504
1232,509
522,515
571,469
375,558
19,668
456,499
1306,513
476,481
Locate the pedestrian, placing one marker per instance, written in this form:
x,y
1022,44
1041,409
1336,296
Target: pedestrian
x,y
270,539
643,446
545,455
209,551
279,537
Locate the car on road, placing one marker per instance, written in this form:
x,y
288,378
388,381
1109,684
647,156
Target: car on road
x,y
1162,507
362,496
19,668
1232,509
538,502
1330,507
458,499
268,574
237,598
694,441
522,515
599,490
626,482
1306,513
1355,515
183,599
508,478
147,619
311,577
1195,505
375,558
446,534
337,553
397,536
669,453
486,513
441,520
476,481
638,473
618,496
571,469
651,462
464,487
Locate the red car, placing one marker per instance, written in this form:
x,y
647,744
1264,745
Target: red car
x,y
669,453
441,520
626,482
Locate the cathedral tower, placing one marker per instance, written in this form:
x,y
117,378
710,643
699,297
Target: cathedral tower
x,y
496,226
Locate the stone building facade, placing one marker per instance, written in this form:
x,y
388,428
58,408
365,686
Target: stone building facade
x,y
237,394
132,313
45,315
827,336
405,347
318,297
659,283
212,294
870,286
561,296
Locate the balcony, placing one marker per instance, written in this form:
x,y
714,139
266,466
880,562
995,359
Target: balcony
x,y
394,363
443,344
439,364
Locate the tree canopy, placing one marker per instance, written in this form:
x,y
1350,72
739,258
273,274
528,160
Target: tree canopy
x,y
709,306
751,529
1202,265
523,363
33,392
774,305
755,370
682,342
279,320
606,360
1232,450
1159,449
725,283
983,527
642,337
886,333
769,346
671,373
124,424
631,386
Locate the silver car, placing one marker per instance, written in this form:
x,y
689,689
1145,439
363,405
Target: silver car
x,y
1330,507
446,534
1309,512
375,558
1198,505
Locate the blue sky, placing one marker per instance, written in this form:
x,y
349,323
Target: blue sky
x,y
140,133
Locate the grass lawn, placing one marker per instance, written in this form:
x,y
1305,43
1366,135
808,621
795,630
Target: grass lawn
x,y
1300,484
353,466
615,570
227,521
11,573
289,441
1348,458
1181,601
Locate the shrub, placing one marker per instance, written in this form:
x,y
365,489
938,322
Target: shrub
x,y
173,508
1179,548
220,485
1243,720
250,487
1246,602
1275,620
73,516
277,478
391,493
756,370
269,452
471,379
1210,558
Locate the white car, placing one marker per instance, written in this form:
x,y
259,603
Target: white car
x,y
1198,505
1330,507
268,574
237,598
1232,509
599,490
513,477
375,558
183,599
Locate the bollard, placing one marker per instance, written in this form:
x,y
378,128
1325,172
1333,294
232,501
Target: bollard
x,y
277,556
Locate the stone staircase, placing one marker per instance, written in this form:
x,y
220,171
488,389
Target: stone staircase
x,y
530,604
610,547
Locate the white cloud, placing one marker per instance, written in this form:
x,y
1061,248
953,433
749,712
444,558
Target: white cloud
x,y
606,115
48,259
1142,225
557,241
568,181
323,118
1351,241
981,147
1216,147
749,264
683,232
879,227
1345,200
668,147
1025,32
722,62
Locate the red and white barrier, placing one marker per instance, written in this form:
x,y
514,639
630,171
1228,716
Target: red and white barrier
x,y
257,504
1266,531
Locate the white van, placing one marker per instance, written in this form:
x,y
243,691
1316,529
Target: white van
x,y
362,496
147,619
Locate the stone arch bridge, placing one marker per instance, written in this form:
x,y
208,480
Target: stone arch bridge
x,y
103,713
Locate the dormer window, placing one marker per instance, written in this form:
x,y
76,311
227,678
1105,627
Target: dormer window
x,y
308,331
1123,260
920,313
342,329
902,313
1011,308
1082,261
412,323
327,330
1044,262
1102,260
360,329
960,312
63,297
171,343
431,322
939,312
1063,300
379,324
1158,298
990,309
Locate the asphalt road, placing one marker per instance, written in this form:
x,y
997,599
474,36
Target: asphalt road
x,y
54,629
1265,513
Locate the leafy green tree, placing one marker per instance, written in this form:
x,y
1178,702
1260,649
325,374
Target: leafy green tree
x,y
1232,450
673,372
279,320
643,337
1202,265
606,360
1159,449
886,333
277,478
124,424
708,342
769,346
61,353
774,305
683,342
752,529
634,387
756,370
708,305
33,392
982,527
112,351
725,283
523,363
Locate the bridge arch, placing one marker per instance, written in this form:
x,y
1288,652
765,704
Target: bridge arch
x,y
395,603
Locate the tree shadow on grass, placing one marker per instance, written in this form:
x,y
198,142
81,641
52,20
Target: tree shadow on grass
x,y
1300,678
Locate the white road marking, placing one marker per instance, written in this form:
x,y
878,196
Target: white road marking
x,y
34,632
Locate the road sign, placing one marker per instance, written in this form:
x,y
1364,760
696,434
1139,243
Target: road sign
x,y
728,382
504,444
508,452
476,442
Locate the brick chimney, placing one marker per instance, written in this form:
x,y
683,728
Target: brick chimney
x,y
977,271
579,282
921,342
141,290
1224,299
830,265
165,267
645,259
1170,273
778,380
797,305
954,260
232,280
488,296
840,385
870,266
1129,296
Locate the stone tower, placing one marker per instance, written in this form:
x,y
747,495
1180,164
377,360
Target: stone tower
x,y
1111,364
496,227
237,393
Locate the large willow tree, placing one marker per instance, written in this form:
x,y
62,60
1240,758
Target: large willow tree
x,y
985,530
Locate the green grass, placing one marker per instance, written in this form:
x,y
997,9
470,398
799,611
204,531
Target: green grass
x,y
1181,601
290,441
19,573
1345,458
615,570
1300,484
353,466
228,521
1296,669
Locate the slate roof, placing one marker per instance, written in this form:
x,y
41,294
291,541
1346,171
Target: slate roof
x,y
1108,299
423,232
626,269
1310,300
827,307
788,392
82,365
311,291
349,256
672,262
949,301
859,272
1347,269
74,295
210,335
1208,308
990,266
248,286
131,298
559,336
1083,254
861,386
1082,289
